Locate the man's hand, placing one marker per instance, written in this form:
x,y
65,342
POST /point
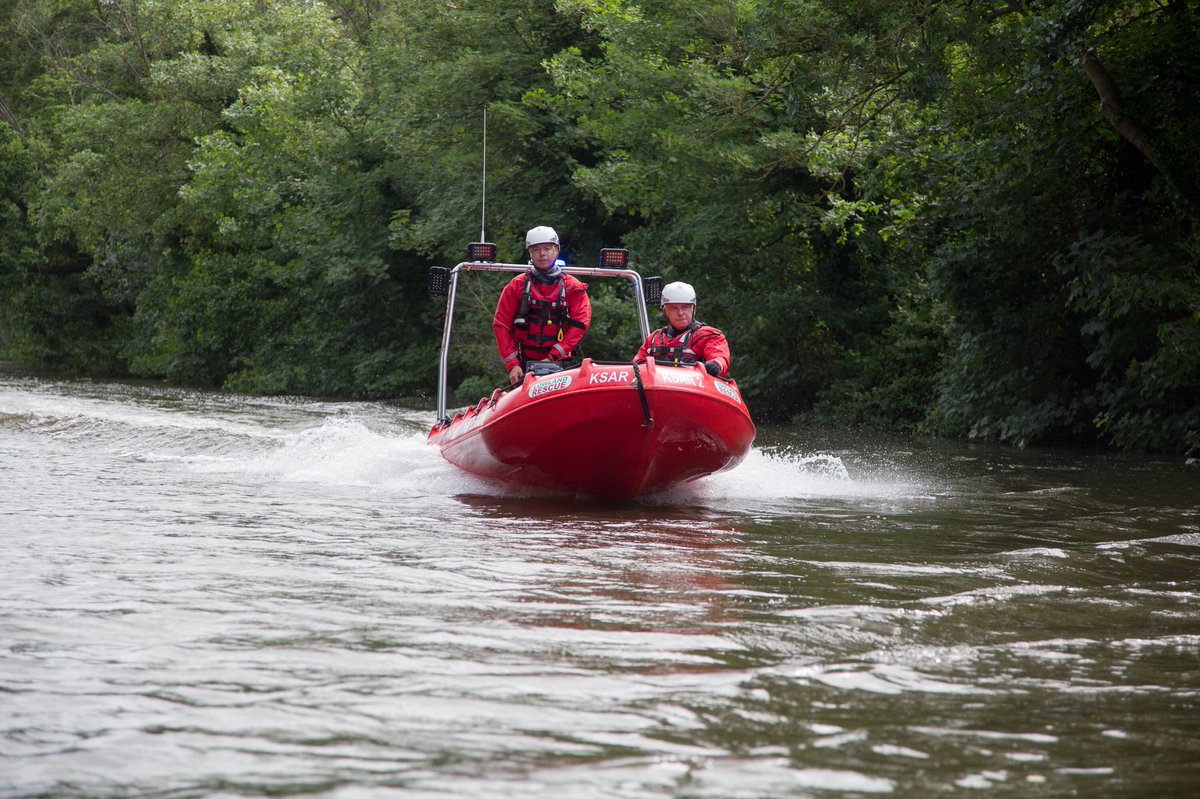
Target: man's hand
x,y
713,368
515,374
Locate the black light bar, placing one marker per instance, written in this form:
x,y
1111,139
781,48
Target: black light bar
x,y
438,283
614,258
652,290
481,251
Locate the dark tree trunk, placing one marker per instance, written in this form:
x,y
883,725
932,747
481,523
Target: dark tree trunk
x,y
1128,128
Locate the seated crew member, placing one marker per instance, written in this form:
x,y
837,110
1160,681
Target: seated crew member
x,y
685,340
542,314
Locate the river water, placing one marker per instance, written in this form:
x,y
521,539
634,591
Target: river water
x,y
204,595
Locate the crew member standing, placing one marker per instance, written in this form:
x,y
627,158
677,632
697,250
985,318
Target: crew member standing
x,y
542,314
684,340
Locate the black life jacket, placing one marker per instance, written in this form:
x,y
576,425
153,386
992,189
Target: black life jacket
x,y
680,353
540,324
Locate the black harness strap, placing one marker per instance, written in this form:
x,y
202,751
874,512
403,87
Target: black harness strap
x,y
543,313
676,354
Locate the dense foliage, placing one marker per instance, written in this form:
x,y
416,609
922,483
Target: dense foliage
x,y
975,217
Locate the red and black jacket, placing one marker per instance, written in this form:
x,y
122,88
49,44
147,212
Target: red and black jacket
x,y
697,343
536,321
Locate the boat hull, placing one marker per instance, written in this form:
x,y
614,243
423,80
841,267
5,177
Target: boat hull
x,y
587,431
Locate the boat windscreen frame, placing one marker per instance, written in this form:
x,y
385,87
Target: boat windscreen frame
x,y
490,266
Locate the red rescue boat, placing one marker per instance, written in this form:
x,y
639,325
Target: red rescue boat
x,y
613,430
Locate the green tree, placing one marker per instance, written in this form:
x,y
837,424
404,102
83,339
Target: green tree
x,y
736,142
976,218
1068,254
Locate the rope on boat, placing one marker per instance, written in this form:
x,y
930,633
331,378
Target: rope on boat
x,y
641,389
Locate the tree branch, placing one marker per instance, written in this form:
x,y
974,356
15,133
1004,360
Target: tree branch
x,y
8,116
1110,107
1129,129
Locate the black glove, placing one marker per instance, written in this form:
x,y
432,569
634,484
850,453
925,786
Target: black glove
x,y
713,368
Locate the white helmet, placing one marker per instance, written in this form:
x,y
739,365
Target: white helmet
x,y
542,234
678,292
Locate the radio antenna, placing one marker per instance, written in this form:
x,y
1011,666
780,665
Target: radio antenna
x,y
483,200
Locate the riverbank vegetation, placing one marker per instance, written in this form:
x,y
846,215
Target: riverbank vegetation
x,y
973,218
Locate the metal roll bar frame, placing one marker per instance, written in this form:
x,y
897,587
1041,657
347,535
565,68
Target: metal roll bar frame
x,y
643,291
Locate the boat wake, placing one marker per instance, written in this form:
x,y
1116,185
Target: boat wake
x,y
769,476
348,451
366,445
